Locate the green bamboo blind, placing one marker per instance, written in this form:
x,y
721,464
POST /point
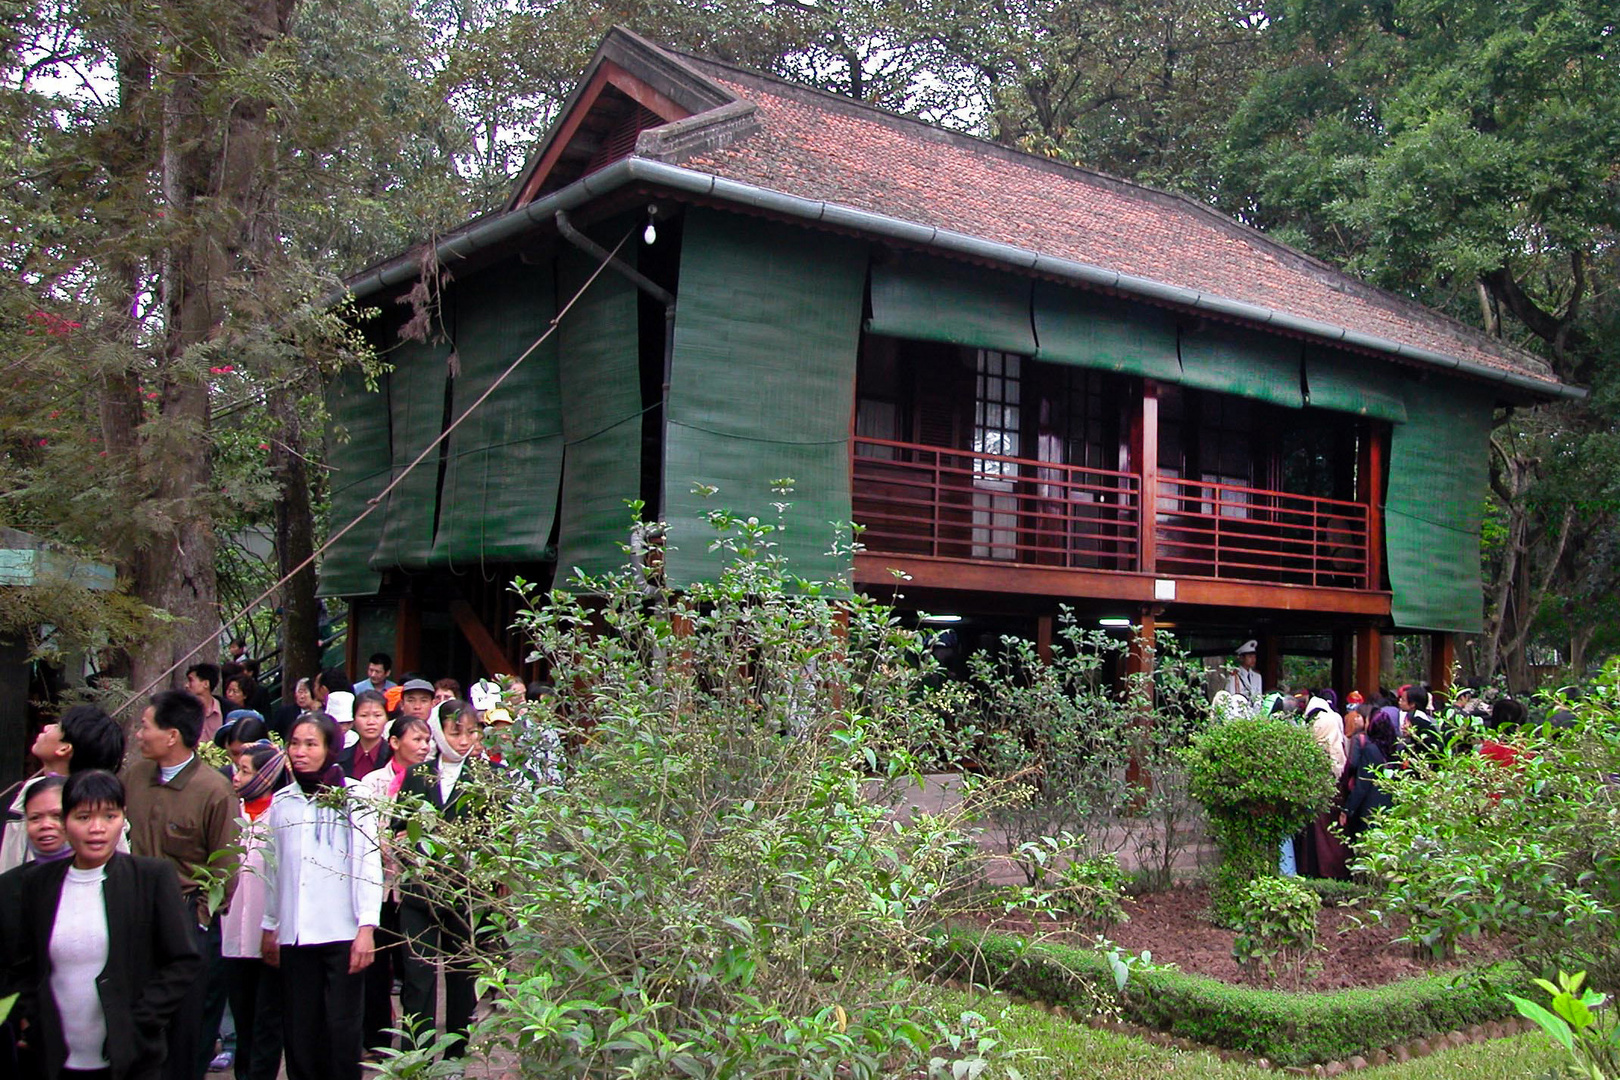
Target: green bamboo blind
x,y
357,443
600,380
766,330
1229,360
1078,328
505,461
415,417
1357,384
937,300
1438,470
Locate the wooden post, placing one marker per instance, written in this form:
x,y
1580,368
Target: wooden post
x,y
1370,490
1343,679
1369,660
1442,657
1144,450
407,636
1270,662
1139,661
1043,638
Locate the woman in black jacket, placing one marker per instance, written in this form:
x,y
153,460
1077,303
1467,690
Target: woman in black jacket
x,y
106,950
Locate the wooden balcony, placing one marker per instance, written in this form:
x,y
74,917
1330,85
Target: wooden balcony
x,y
936,503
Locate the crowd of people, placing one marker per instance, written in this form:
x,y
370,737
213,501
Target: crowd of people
x,y
1372,735
148,909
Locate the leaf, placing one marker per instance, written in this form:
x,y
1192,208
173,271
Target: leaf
x,y
1549,1023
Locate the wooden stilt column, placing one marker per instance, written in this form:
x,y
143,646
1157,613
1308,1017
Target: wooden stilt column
x,y
1139,662
1271,656
407,636
1343,663
1369,660
1043,638
1442,657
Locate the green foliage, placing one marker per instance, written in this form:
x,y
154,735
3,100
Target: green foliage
x,y
1591,1039
1089,889
1276,923
1471,848
1260,779
1335,893
1287,1028
1068,733
719,887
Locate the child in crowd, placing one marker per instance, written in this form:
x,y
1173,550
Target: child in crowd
x,y
254,987
322,901
84,738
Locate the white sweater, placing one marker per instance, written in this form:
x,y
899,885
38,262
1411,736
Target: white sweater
x,y
78,957
323,878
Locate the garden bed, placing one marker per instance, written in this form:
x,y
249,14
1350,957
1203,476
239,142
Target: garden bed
x,y
1173,924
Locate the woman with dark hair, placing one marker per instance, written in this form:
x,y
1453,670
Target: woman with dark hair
x,y
321,904
1363,769
254,987
434,931
106,949
45,842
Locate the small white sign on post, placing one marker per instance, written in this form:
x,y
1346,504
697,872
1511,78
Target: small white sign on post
x,y
1164,588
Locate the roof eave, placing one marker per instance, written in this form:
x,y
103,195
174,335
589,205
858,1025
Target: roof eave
x,y
514,223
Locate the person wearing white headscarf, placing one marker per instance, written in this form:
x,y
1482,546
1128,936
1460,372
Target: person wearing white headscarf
x,y
1327,727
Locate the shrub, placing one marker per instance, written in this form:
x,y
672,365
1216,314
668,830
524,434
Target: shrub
x,y
1471,848
1288,1028
1260,779
1092,890
1070,733
1276,923
715,887
1335,893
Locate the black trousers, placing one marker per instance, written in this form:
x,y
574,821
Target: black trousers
x,y
390,959
254,988
320,1012
195,1027
434,934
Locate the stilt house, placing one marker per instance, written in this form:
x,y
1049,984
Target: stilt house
x,y
1034,386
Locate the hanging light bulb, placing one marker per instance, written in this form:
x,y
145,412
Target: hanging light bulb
x,y
651,234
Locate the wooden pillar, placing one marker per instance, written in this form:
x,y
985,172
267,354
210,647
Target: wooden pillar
x,y
1270,662
351,649
1139,662
407,636
1144,450
484,645
1343,679
1442,657
1043,638
1369,660
1370,491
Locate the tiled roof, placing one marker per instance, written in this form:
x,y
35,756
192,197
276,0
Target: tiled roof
x,y
827,148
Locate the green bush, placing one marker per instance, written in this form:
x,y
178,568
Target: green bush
x,y
1336,893
1288,1028
1260,779
1276,923
1469,848
1068,733
716,886
1092,891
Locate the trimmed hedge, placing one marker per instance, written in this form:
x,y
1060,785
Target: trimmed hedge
x,y
1288,1028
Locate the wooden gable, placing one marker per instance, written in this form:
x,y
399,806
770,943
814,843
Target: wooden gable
x,y
631,86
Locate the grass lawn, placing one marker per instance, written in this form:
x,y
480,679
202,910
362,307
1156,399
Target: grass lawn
x,y
1074,1052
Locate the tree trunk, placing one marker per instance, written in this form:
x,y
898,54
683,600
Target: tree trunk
x,y
295,542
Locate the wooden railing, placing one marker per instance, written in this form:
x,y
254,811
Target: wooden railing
x,y
930,500
934,501
1226,531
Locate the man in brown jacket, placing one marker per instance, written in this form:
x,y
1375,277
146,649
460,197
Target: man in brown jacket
x,y
183,810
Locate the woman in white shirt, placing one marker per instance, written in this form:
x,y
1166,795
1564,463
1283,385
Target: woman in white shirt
x,y
323,891
107,952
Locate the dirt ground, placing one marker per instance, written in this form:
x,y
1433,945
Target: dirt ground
x,y
1354,948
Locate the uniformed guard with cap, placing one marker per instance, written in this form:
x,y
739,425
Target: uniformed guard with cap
x,y
1245,680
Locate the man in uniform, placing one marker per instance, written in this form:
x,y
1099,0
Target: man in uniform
x,y
1245,680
